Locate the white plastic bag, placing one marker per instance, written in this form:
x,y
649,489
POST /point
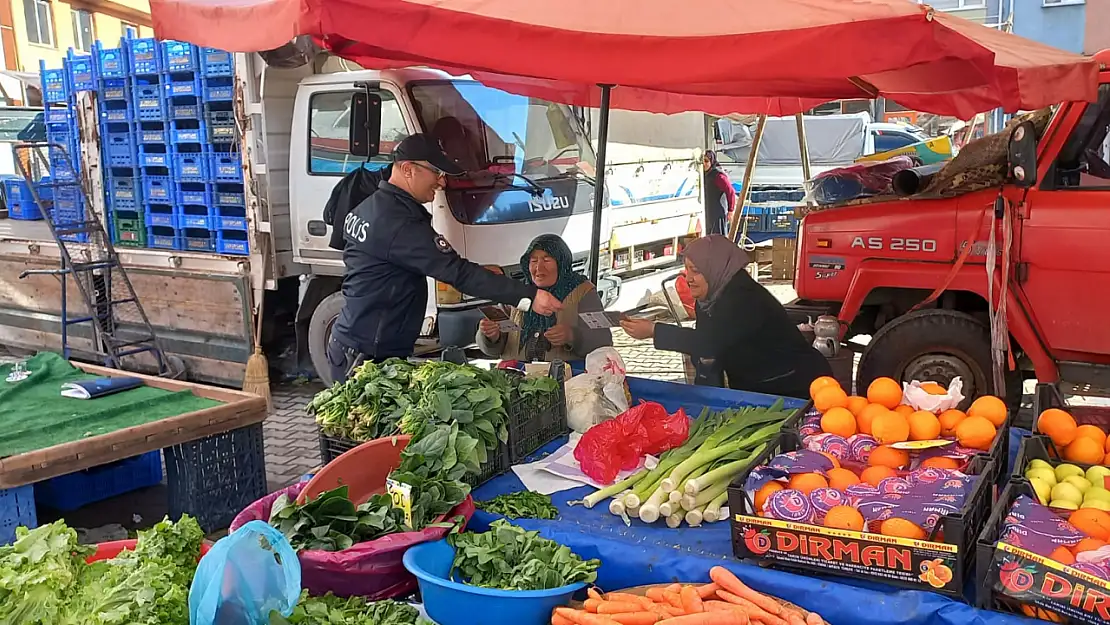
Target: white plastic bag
x,y
599,394
921,399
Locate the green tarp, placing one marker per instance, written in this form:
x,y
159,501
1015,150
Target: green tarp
x,y
34,415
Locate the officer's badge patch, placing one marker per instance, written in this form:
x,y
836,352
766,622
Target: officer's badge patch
x,y
442,244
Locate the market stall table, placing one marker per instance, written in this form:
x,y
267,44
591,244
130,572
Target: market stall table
x,y
211,437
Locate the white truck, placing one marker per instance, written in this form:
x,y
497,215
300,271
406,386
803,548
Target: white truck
x,y
531,172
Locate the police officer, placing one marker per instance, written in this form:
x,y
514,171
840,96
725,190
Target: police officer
x,y
392,249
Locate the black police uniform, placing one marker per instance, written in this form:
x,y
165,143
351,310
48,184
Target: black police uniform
x,y
391,250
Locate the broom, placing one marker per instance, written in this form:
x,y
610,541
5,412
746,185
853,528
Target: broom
x,y
257,378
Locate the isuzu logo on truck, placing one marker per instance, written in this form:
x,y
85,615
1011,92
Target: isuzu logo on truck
x,y
545,203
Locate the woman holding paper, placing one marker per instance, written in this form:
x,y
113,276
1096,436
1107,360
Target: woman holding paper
x,y
742,330
547,264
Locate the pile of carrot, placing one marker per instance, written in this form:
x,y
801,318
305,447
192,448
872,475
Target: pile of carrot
x,y
725,601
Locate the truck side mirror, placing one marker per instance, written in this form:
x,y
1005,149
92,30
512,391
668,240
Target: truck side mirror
x,y
366,124
1022,156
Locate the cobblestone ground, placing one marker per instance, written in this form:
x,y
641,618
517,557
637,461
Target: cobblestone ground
x,y
292,446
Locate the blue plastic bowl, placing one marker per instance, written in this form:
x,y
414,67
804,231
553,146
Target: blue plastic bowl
x,y
452,603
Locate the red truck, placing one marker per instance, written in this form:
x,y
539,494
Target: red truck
x,y
871,264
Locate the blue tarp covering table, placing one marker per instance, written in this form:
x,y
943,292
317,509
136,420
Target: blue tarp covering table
x,y
650,554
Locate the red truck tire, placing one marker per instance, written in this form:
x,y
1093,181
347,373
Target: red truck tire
x,y
935,345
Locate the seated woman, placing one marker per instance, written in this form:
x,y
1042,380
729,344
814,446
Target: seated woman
x,y
742,330
547,264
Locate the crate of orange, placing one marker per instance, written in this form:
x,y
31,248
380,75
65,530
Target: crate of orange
x,y
919,417
862,516
1079,433
1045,563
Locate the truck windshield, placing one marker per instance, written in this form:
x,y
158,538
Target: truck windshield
x,y
497,136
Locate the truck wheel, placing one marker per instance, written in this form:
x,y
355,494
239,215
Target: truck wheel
x,y
319,330
935,345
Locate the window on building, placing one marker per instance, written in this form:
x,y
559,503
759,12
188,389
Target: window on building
x,y
83,35
40,23
1052,3
329,130
130,31
957,5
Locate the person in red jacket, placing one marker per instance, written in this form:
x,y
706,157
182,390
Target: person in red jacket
x,y
720,197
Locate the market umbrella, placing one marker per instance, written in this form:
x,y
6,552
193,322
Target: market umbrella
x,y
717,56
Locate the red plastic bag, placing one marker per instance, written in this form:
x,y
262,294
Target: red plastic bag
x,y
373,569
617,445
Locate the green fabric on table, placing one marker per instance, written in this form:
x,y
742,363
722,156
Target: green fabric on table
x,y
34,415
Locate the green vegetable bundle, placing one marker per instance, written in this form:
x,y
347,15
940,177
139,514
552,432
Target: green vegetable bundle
x,y
44,579
332,610
690,483
369,405
521,505
510,558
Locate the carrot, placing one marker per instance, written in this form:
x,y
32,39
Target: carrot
x,y
578,617
755,612
793,618
676,587
560,620
673,611
708,591
727,581
715,605
656,594
619,607
637,618
630,598
814,618
674,599
691,602
594,594
733,617
591,605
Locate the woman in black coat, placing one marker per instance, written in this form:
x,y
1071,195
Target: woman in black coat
x,y
741,329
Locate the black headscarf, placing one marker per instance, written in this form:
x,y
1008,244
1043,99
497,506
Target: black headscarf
x,y
567,281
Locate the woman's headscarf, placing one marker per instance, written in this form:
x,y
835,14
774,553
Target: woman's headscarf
x,y
718,259
713,162
567,281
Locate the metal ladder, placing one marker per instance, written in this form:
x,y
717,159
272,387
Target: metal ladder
x,y
120,326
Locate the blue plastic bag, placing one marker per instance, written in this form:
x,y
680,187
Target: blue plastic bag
x,y
244,577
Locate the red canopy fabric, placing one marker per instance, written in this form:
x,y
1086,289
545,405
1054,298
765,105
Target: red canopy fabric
x,y
717,56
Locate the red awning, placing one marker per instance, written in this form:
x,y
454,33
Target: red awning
x,y
717,56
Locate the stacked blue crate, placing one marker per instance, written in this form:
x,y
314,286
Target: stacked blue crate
x,y
60,89
119,145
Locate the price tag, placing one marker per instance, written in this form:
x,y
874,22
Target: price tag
x,y
401,494
919,445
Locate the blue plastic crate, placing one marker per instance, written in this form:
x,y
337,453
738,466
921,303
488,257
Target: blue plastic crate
x,y
68,201
16,190
779,219
183,84
125,193
24,211
110,62
179,56
155,155
117,111
197,193
185,107
161,215
198,240
115,89
219,89
231,218
227,167
149,102
221,123
232,242
17,508
120,149
195,216
189,131
153,132
76,490
144,56
215,62
229,194
62,167
162,237
191,166
57,115
55,85
159,189
82,75
62,134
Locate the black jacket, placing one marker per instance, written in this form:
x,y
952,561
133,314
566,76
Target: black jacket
x,y
348,193
749,335
391,251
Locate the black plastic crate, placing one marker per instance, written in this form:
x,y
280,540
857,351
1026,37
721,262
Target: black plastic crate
x,y
331,447
496,463
1026,575
215,478
1040,447
1048,396
897,562
538,420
